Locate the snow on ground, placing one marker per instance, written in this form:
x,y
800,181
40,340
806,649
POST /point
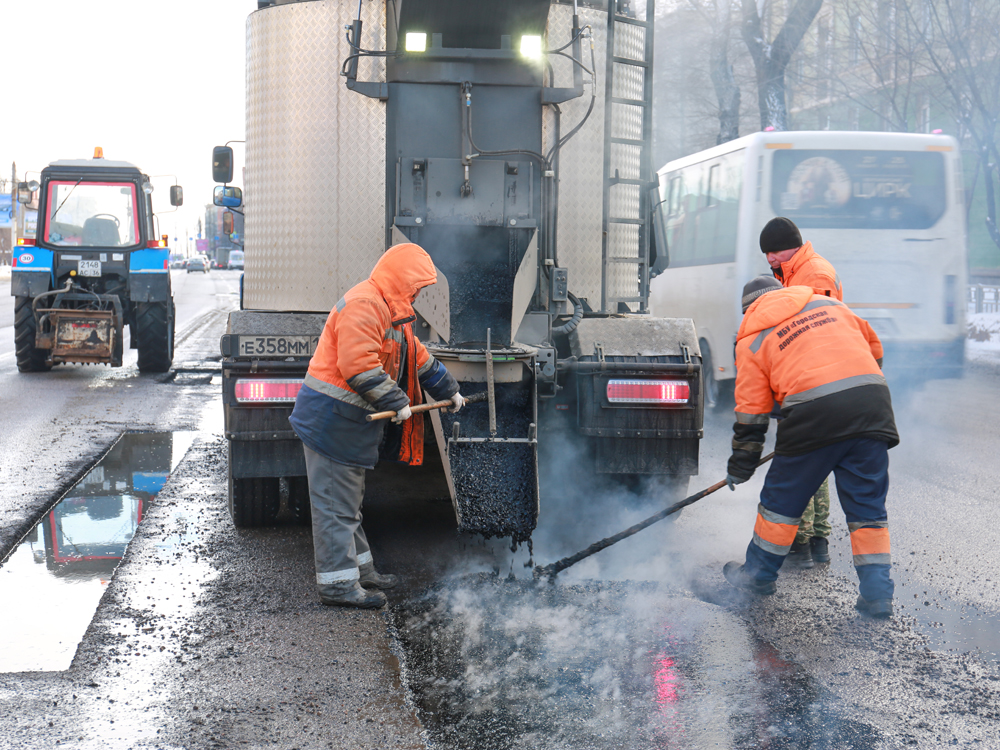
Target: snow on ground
x,y
983,343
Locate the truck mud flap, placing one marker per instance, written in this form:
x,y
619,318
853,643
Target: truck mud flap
x,y
80,336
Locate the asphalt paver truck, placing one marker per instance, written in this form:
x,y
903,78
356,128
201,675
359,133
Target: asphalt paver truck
x,y
94,266
511,139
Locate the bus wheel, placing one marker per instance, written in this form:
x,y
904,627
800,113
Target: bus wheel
x,y
29,358
154,329
253,502
711,385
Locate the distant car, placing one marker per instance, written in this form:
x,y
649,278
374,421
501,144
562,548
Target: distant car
x,y
236,260
178,263
197,264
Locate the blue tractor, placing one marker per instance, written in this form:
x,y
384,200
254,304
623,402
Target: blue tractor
x,y
94,266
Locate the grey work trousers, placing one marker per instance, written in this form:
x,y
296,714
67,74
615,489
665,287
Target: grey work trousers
x,y
339,542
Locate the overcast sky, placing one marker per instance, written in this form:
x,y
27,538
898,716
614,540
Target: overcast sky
x,y
157,83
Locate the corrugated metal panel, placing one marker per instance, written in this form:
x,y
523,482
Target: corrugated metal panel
x,y
581,163
315,180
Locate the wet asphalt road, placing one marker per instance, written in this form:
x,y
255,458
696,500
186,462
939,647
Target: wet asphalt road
x,y
209,637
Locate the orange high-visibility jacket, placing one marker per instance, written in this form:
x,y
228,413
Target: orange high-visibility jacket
x,y
360,356
817,359
809,268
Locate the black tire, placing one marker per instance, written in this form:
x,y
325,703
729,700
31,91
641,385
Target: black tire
x,y
718,393
710,386
298,500
253,502
29,358
154,330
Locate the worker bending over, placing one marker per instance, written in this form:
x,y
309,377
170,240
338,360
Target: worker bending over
x,y
367,360
795,263
822,364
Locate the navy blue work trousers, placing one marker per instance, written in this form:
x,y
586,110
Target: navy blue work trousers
x,y
860,467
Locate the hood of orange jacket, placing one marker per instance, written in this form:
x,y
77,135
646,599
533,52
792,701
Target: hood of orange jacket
x,y
400,273
770,309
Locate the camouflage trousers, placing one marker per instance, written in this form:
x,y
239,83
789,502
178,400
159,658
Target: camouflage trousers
x,y
816,517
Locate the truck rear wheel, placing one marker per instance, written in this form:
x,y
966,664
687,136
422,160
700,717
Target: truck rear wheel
x,y
29,357
298,499
154,329
253,502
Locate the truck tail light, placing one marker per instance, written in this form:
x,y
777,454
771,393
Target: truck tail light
x,y
652,392
267,391
26,241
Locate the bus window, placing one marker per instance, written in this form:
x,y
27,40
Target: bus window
x,y
674,197
841,189
712,193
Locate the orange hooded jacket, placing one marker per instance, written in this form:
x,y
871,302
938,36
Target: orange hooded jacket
x,y
817,359
367,346
809,268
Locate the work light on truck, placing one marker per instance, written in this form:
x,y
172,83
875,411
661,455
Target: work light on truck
x,y
267,391
653,392
416,41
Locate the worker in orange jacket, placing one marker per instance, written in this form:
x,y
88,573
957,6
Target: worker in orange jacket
x,y
367,360
821,363
795,263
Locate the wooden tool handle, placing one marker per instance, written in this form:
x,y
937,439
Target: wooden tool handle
x,y
420,408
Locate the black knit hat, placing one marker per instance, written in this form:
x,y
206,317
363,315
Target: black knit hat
x,y
779,234
757,287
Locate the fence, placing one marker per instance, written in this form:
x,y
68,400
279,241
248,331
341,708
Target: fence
x,y
983,298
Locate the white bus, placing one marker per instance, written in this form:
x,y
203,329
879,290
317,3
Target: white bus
x,y
886,209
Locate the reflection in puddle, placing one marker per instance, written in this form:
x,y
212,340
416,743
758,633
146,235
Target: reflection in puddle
x,y
52,582
507,664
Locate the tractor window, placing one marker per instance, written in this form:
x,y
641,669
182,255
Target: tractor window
x,y
91,214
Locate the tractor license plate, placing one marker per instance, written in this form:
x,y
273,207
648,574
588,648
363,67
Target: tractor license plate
x,y
277,346
89,268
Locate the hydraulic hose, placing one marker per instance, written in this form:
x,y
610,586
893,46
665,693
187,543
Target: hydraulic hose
x,y
570,325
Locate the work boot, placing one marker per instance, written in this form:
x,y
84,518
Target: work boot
x,y
737,575
350,594
879,608
372,579
820,549
800,555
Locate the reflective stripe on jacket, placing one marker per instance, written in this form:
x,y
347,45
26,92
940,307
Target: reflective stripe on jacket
x,y
817,359
809,268
368,358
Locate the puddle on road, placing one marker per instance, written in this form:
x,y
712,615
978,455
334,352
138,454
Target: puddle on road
x,y
52,582
500,664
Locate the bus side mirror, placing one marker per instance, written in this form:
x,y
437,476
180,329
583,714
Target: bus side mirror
x,y
227,223
176,195
227,196
222,164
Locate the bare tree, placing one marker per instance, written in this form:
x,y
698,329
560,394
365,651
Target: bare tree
x,y
727,90
771,58
963,54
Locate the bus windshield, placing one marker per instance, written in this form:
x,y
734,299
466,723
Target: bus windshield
x,y
841,189
91,214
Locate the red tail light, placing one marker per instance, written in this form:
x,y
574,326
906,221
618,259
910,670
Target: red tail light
x,y
653,392
26,241
269,391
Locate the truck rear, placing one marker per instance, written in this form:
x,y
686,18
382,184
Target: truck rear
x,y
512,141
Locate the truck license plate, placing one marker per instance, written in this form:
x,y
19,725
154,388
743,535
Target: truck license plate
x,y
89,268
277,346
